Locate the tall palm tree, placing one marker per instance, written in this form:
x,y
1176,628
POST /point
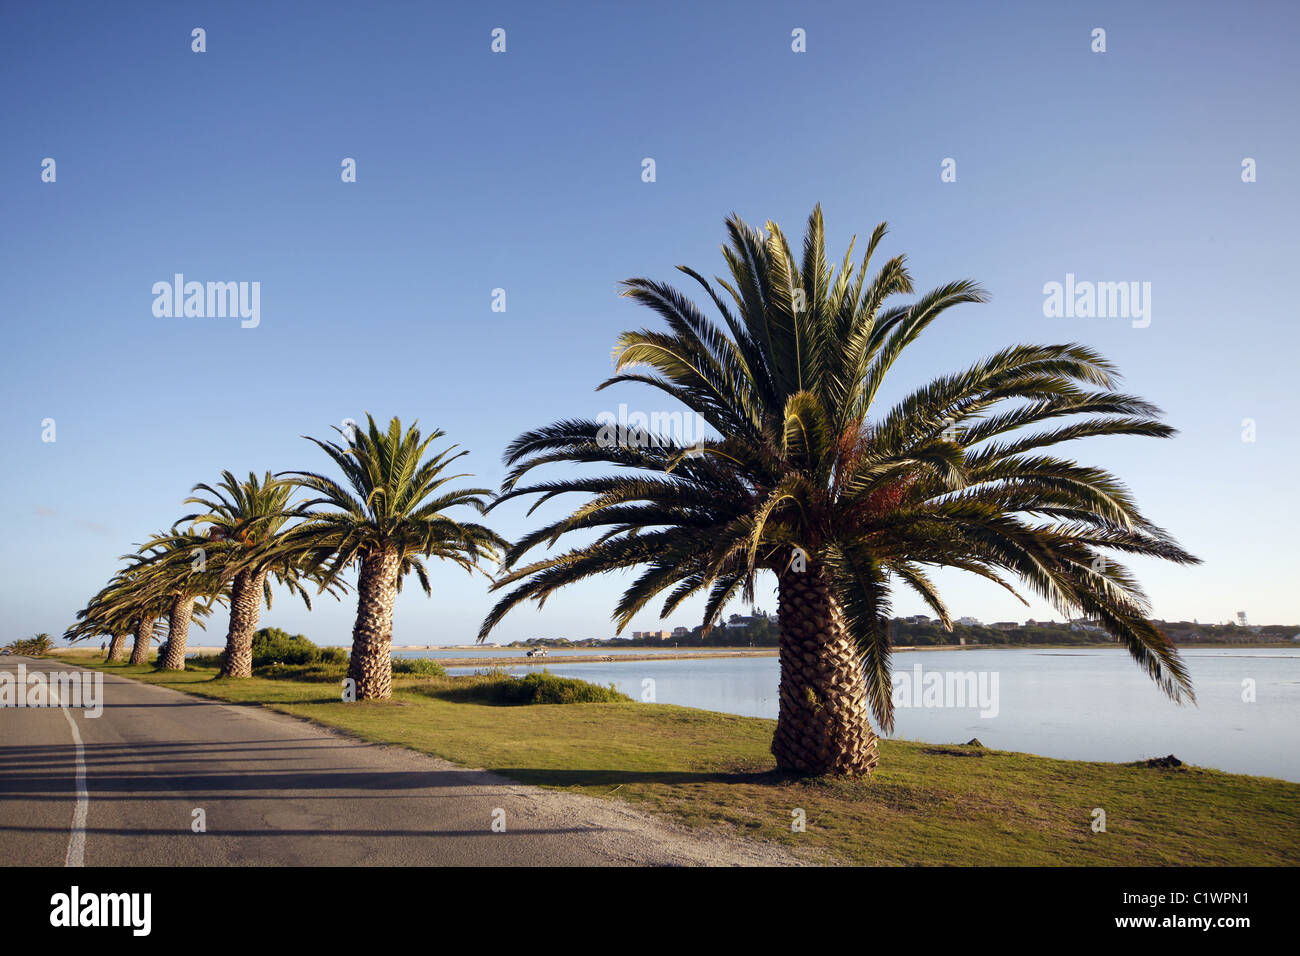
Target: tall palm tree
x,y
176,568
840,499
149,626
389,513
246,521
144,636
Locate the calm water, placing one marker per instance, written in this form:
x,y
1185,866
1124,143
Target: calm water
x,y
481,652
1083,704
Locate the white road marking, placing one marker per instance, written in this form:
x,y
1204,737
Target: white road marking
x,y
76,855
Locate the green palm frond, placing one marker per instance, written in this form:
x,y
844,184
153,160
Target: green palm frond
x,y
961,473
393,497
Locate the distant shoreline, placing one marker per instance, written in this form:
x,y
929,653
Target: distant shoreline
x,y
635,654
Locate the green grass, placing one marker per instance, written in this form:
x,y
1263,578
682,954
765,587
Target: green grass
x,y
926,804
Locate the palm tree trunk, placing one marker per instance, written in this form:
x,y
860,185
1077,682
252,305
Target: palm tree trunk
x,y
371,664
245,608
143,637
178,630
822,724
116,647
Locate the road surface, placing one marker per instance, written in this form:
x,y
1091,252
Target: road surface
x,y
123,790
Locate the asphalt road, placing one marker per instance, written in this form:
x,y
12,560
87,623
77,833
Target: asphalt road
x,y
122,790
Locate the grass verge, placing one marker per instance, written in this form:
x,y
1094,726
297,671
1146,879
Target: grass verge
x,y
926,805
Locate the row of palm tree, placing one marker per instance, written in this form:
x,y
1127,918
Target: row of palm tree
x,y
387,513
34,646
808,478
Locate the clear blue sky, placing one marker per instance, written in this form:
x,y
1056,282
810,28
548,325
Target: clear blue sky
x,y
523,171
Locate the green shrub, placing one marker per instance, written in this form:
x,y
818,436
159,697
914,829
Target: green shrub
x,y
35,646
418,665
274,646
540,687
543,687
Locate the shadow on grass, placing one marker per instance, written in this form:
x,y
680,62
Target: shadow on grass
x,y
210,688
550,777
469,693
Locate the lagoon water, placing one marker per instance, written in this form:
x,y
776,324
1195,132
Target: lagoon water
x,y
1082,704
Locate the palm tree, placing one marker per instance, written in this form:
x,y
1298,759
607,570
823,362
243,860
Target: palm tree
x,y
88,627
148,628
144,635
38,645
840,499
246,521
100,617
174,569
385,519
127,608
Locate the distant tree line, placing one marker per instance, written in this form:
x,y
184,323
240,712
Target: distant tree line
x,y
763,631
35,646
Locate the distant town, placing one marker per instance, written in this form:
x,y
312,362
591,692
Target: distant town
x,y
760,629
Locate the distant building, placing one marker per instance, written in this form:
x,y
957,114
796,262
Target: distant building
x,y
969,621
681,632
1004,625
745,620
